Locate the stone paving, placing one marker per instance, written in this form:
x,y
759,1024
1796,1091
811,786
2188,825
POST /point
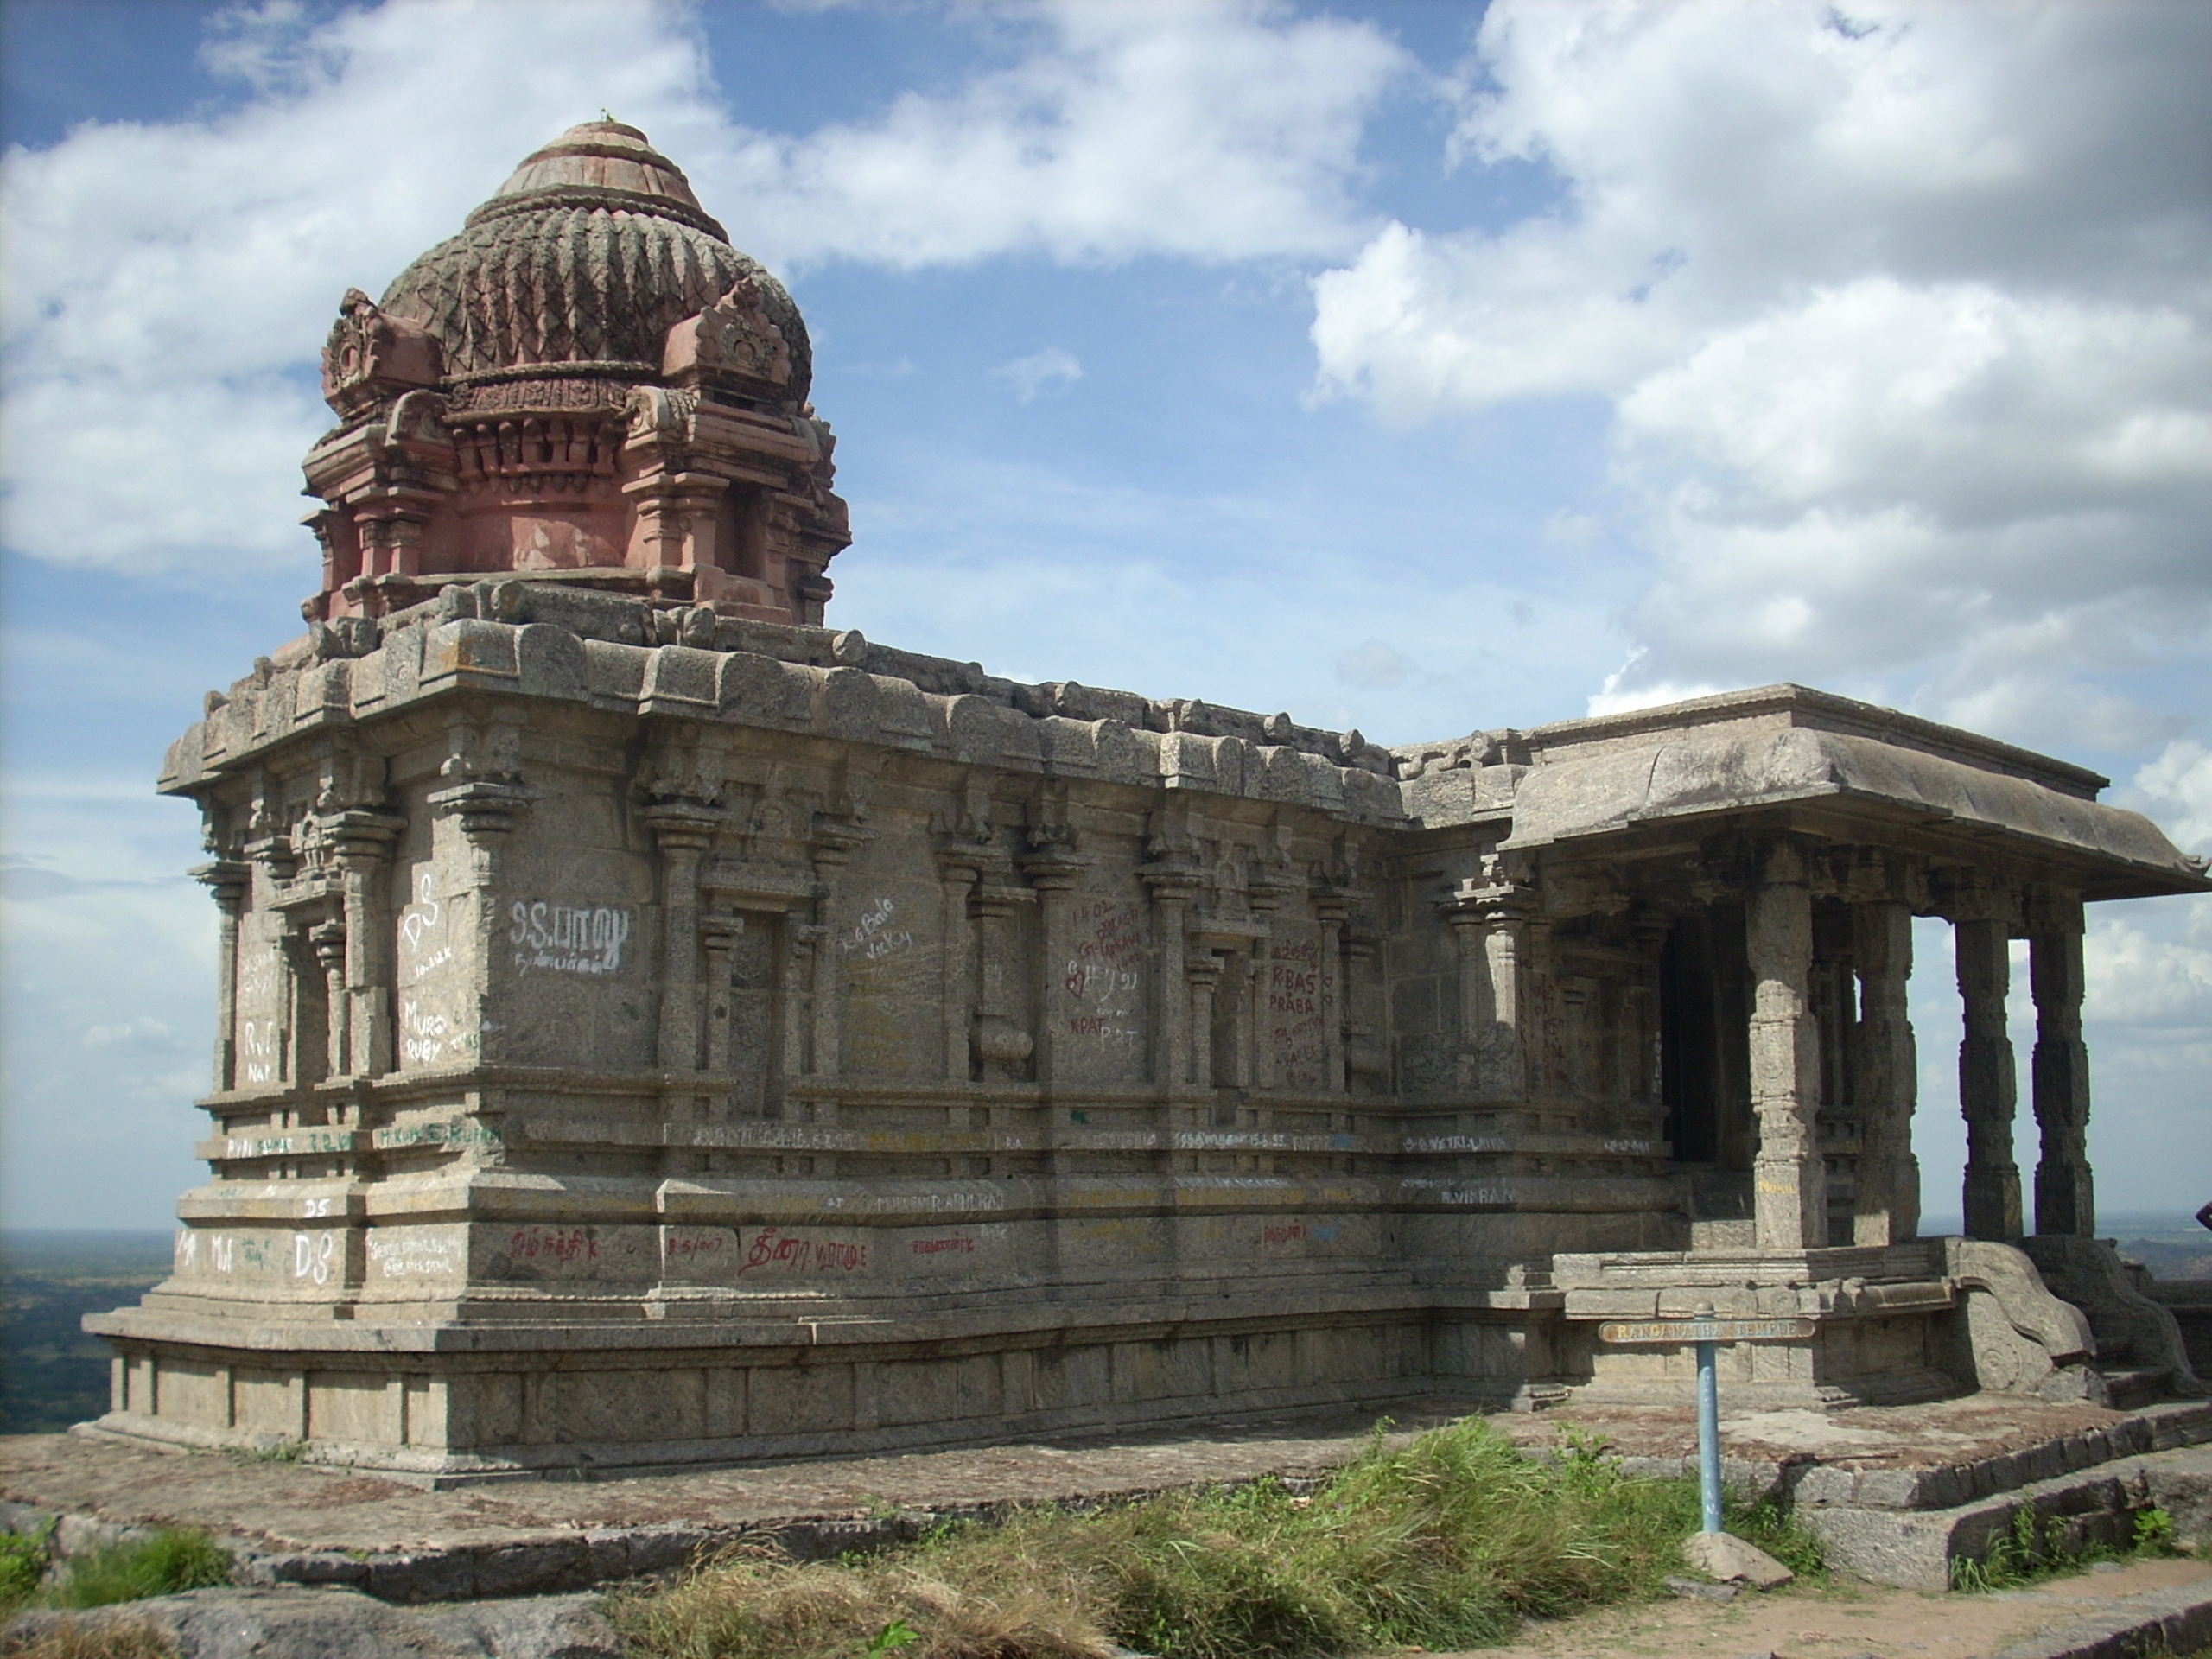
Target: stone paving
x,y
301,1506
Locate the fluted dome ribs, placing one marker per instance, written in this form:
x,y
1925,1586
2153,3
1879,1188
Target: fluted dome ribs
x,y
589,255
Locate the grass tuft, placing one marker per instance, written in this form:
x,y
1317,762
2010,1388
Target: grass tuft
x,y
2032,1550
174,1559
1449,1540
22,1565
70,1640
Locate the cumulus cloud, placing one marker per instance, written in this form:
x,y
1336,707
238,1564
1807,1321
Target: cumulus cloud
x,y
1214,130
1899,313
168,285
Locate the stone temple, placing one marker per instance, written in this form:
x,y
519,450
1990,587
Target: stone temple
x,y
657,1028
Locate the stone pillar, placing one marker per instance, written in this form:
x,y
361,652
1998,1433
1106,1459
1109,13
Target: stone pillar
x,y
1887,1074
1538,1018
1002,1043
803,943
718,934
1330,911
327,940
1203,971
227,881
1988,1086
836,837
1789,1187
361,1034
1173,887
1052,870
685,832
305,1057
960,869
2065,1194
1488,922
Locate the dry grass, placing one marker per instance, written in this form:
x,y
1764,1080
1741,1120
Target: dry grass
x,y
1449,1540
71,1638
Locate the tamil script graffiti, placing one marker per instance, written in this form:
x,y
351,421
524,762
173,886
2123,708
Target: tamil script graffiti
x,y
776,1251
560,939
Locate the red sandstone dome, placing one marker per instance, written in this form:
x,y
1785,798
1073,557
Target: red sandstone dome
x,y
587,255
588,382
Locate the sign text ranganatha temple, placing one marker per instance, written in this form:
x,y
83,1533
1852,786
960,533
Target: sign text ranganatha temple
x,y
656,1027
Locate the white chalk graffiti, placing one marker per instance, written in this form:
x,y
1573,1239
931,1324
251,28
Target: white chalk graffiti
x,y
312,1256
426,1036
424,951
411,1256
260,1045
584,939
871,937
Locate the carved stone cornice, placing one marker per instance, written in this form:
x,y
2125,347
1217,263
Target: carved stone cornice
x,y
227,881
485,806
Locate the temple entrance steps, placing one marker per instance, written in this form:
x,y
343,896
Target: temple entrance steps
x,y
1898,1493
2141,1354
1915,1544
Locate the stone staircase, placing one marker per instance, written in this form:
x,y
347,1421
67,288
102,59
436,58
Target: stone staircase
x,y
2140,1355
1907,1526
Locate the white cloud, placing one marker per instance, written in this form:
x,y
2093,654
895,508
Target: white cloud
x,y
1032,374
168,286
1900,317
1214,130
2175,789
2135,979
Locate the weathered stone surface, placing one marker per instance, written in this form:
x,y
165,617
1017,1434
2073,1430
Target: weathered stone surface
x,y
2174,1620
1728,1559
656,1029
293,1622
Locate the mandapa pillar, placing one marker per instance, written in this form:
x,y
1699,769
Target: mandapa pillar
x,y
1887,1073
2065,1191
1789,1185
1987,1088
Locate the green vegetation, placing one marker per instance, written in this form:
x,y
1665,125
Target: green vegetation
x,y
52,1374
171,1560
22,1564
174,1559
2031,1550
1448,1539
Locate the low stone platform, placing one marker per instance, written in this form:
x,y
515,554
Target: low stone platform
x,y
1941,1477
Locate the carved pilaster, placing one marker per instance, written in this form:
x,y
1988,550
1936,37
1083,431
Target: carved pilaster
x,y
227,881
1489,920
361,843
1052,866
684,831
718,931
1002,1042
836,837
327,940
1203,972
961,859
1790,1191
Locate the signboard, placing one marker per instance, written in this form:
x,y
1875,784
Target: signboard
x,y
1678,1330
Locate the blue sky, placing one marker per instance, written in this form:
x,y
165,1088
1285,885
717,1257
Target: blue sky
x,y
1415,366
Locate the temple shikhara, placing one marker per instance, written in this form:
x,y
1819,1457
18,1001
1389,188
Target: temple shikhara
x,y
656,1027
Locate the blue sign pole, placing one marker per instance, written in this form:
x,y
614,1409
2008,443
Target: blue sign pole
x,y
1708,1425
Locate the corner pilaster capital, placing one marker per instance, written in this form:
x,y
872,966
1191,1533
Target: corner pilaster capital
x,y
227,881
485,806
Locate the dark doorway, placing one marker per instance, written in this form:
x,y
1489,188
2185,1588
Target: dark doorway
x,y
1705,1039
